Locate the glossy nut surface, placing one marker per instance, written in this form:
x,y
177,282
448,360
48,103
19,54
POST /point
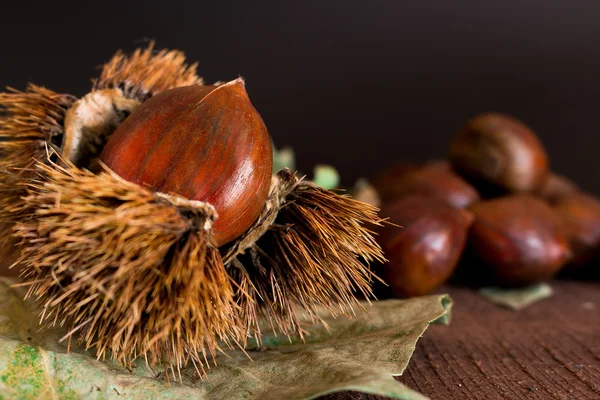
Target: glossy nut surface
x,y
386,181
424,252
499,150
517,240
555,186
580,218
204,143
437,179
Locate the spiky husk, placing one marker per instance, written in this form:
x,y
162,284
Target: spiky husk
x,y
146,72
314,251
132,272
30,123
127,270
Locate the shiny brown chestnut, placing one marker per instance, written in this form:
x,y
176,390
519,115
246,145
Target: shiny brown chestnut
x,y
580,218
425,250
386,181
205,143
517,240
437,179
501,151
555,186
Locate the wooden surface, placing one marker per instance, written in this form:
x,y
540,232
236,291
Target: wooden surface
x,y
550,350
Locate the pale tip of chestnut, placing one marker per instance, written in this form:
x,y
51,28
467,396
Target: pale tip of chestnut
x,y
238,81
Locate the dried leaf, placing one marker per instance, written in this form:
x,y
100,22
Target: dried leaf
x,y
517,298
283,158
326,176
362,353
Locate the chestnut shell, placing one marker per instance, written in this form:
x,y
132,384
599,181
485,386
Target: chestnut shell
x,y
205,143
424,250
518,240
496,149
580,218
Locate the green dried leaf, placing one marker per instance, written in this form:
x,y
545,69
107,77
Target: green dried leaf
x,y
517,298
326,176
360,354
283,158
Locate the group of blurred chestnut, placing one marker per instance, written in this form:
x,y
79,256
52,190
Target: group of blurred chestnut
x,y
493,214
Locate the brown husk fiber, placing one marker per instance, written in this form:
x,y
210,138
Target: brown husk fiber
x,y
30,122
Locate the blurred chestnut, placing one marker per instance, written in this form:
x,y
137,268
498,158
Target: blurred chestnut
x,y
423,253
556,186
517,240
580,217
435,179
386,181
499,150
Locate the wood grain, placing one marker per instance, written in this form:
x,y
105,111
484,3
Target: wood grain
x,y
550,350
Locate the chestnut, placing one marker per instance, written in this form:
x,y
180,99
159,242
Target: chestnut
x,y
435,179
205,143
439,180
516,240
386,181
556,186
580,218
424,251
497,150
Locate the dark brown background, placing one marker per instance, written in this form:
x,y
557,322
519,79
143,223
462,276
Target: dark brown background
x,y
354,83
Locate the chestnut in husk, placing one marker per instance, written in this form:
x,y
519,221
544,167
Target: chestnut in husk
x,y
205,143
498,150
425,250
148,223
517,240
